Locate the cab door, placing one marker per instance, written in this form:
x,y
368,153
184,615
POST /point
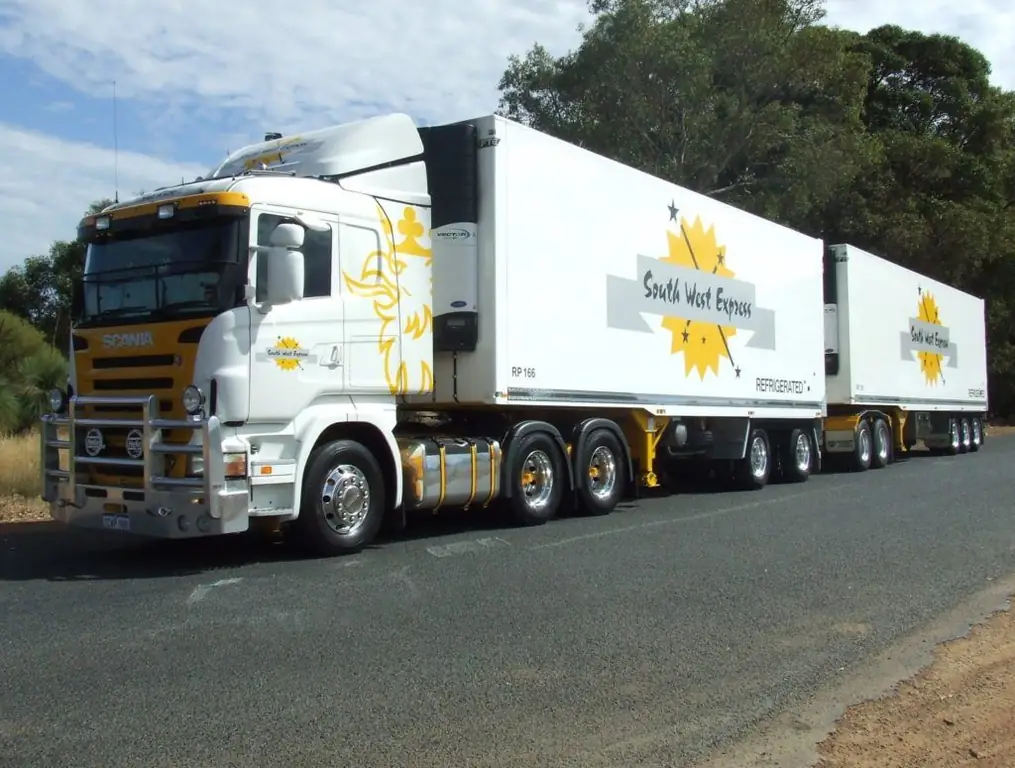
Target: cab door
x,y
297,348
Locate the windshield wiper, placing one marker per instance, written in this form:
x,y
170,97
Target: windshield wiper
x,y
189,304
118,311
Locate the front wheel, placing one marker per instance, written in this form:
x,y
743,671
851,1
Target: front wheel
x,y
342,504
752,472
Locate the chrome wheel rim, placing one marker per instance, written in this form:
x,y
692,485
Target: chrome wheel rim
x,y
882,441
759,457
345,498
602,473
802,452
864,439
537,480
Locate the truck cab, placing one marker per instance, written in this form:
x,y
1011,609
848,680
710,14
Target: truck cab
x,y
222,326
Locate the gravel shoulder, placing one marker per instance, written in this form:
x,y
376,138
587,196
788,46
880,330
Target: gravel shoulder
x,y
956,712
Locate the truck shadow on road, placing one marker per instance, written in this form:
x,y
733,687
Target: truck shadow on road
x,y
48,551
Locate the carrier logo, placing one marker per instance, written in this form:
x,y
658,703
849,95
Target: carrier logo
x,y
696,294
928,338
287,353
454,234
121,340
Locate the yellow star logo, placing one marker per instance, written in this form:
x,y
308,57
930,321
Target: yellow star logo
x,y
703,344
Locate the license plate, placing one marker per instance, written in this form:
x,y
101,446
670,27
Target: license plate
x,y
116,522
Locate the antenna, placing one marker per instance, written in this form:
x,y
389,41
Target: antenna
x,y
116,151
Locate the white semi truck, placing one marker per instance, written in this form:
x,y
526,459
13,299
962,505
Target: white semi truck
x,y
905,358
376,319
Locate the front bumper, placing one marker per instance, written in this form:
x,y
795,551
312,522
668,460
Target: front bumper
x,y
161,507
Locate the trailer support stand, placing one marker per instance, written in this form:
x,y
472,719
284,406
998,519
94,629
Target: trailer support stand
x,y
649,431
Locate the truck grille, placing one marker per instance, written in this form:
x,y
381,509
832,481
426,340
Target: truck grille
x,y
163,375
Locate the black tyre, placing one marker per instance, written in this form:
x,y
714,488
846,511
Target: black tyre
x,y
863,447
965,435
538,478
881,455
954,438
797,459
599,473
343,499
751,473
977,435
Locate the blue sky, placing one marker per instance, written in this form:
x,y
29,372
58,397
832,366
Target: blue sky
x,y
193,85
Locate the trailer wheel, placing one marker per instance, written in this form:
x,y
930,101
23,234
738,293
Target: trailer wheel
x,y
954,439
882,452
862,446
537,476
342,504
976,439
797,459
600,473
965,436
752,472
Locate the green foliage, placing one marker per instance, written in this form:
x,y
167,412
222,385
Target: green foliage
x,y
29,369
893,141
40,290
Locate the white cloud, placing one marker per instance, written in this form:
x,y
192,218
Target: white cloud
x,y
289,67
282,65
263,66
49,183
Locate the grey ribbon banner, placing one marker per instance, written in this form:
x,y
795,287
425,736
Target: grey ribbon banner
x,y
299,354
927,337
674,291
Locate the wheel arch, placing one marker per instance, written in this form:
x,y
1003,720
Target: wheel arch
x,y
373,431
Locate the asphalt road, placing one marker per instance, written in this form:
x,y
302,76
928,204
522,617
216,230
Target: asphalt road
x,y
645,638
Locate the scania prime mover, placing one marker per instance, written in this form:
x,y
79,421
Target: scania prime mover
x,y
376,319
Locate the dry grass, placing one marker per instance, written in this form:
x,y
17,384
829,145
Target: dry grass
x,y
19,478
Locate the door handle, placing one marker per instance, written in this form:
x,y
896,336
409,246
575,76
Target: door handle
x,y
336,355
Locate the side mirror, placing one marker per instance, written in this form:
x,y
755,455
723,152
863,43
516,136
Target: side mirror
x,y
287,235
285,272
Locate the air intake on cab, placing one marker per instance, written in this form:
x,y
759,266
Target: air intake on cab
x,y
450,152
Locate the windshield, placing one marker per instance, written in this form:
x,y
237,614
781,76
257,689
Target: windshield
x,y
188,270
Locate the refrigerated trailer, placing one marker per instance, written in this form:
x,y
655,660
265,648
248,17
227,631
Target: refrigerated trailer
x,y
905,361
377,319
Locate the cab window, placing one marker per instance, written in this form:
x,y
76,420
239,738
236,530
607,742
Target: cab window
x,y
317,258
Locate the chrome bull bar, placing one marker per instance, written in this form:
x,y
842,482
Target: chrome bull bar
x,y
155,482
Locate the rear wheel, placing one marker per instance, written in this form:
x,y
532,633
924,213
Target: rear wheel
x,y
798,457
954,439
965,435
863,446
977,435
752,472
342,504
882,452
600,473
538,476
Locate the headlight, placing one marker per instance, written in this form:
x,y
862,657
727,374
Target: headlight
x,y
192,399
57,400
